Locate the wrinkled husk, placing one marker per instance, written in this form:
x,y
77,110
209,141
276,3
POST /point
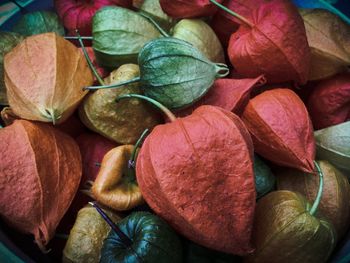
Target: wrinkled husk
x,y
40,172
175,73
38,22
8,41
329,102
118,36
153,9
336,193
122,122
196,168
87,236
284,231
281,129
53,73
200,35
329,39
153,240
116,185
333,145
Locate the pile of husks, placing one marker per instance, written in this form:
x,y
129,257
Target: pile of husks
x,y
177,131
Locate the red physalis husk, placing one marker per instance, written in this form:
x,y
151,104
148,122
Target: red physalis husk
x,y
197,173
40,172
281,129
329,103
274,44
188,9
229,94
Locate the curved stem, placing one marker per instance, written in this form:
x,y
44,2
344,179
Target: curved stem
x,y
159,28
127,242
320,190
238,16
77,38
131,163
160,106
221,70
336,11
113,86
97,76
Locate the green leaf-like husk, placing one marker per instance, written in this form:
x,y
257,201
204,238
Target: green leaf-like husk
x,y
39,22
174,72
153,241
119,34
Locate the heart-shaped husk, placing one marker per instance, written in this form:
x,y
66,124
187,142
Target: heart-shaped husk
x,y
288,229
197,173
53,71
271,43
334,204
281,129
39,176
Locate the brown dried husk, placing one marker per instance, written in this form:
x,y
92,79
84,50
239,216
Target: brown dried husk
x,y
87,235
336,192
44,77
329,39
40,172
122,122
285,231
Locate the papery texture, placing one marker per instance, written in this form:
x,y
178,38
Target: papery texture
x,y
329,39
118,36
336,192
122,122
329,103
275,46
53,73
229,94
87,236
281,129
40,174
8,41
285,231
152,241
197,173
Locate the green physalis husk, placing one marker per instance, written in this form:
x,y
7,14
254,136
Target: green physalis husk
x,y
8,40
333,145
264,179
119,34
37,23
174,72
153,9
202,36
